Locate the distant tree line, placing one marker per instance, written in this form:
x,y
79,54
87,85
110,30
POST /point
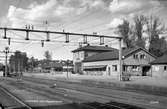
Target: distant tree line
x,y
19,62
144,31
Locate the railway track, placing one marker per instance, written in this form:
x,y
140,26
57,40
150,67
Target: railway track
x,y
117,105
75,102
75,105
17,103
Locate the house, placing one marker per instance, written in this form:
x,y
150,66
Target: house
x,y
81,53
67,65
134,60
48,67
159,66
54,66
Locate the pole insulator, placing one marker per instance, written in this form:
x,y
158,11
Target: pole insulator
x,y
27,35
26,27
84,39
5,33
9,40
67,38
42,43
47,37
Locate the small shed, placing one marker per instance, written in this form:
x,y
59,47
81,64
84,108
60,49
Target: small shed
x,y
159,66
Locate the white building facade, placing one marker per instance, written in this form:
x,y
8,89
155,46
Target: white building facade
x,y
82,53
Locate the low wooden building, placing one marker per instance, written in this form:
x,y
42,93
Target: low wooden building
x,y
135,61
159,67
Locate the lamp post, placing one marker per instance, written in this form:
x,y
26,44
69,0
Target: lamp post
x,y
67,69
6,51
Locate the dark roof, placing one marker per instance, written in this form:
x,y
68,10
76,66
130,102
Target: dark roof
x,y
93,48
160,60
113,55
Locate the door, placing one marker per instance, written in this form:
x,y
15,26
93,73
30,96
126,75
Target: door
x,y
145,70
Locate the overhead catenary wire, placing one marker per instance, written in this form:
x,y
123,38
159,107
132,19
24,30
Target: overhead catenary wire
x,y
56,32
21,36
53,38
62,34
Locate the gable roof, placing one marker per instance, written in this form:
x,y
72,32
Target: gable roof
x,y
94,48
114,55
160,60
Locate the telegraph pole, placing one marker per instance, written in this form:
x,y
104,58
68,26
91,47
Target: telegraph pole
x,y
6,51
67,70
120,60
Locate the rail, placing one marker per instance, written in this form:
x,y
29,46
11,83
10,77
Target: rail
x,y
15,98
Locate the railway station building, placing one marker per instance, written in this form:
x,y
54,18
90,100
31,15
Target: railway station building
x,y
81,53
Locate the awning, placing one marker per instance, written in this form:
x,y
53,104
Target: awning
x,y
137,65
95,66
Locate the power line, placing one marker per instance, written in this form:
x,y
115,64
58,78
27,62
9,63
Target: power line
x,y
78,19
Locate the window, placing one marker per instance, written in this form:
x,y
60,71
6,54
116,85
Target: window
x,y
156,68
114,67
165,68
77,56
135,68
135,56
124,68
82,55
142,56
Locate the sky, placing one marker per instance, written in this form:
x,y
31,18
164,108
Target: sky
x,y
81,16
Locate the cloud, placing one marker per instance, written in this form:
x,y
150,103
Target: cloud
x,y
50,10
130,6
115,22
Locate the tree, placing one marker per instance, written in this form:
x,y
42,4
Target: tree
x,y
32,63
157,45
48,56
124,30
140,21
18,61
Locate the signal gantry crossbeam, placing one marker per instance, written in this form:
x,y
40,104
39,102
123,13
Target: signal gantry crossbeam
x,y
55,32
